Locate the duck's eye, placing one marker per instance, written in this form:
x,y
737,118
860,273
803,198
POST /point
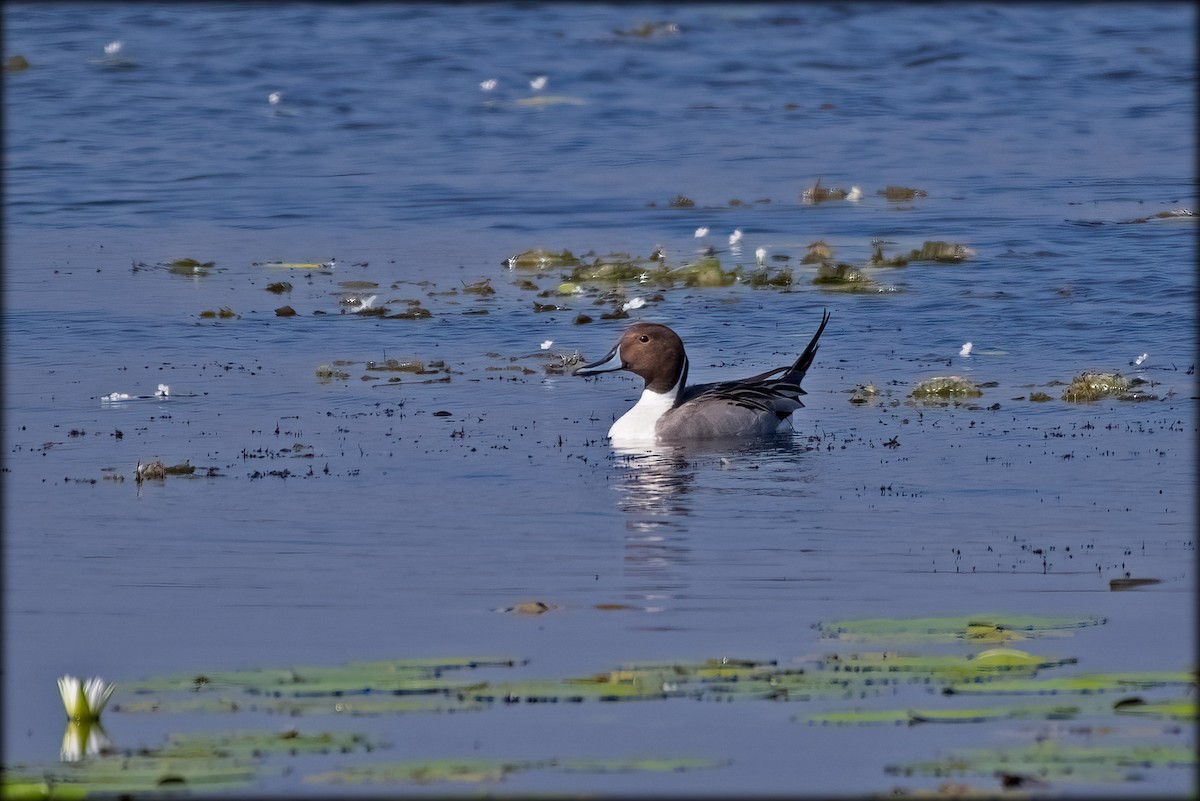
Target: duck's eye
x,y
644,338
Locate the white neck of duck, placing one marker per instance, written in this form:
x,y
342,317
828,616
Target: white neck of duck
x,y
639,424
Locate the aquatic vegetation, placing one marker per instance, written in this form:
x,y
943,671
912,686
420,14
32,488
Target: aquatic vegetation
x,y
529,608
1174,709
15,63
157,470
817,253
550,100
843,277
648,30
942,387
1131,583
1039,397
327,373
475,771
539,259
764,278
285,311
863,393
279,287
941,251
425,686
819,194
224,313
977,628
1054,760
415,311
298,265
899,193
481,287
1082,684
706,271
1170,214
618,267
188,267
395,365
1092,386
681,202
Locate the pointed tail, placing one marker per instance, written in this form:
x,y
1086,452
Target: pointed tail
x,y
798,370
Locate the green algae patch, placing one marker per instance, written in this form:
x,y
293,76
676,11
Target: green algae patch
x,y
706,271
980,628
843,277
326,373
820,194
188,267
539,259
224,313
1092,386
476,771
398,366
939,251
766,278
1052,760
946,387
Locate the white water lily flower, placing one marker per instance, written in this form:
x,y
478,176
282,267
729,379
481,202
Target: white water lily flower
x,y
84,700
1141,358
546,345
633,303
489,84
966,349
112,48
736,236
702,231
538,83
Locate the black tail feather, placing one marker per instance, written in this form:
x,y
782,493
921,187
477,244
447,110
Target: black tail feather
x,y
806,358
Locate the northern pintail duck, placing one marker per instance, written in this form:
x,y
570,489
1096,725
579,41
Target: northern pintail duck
x,y
669,410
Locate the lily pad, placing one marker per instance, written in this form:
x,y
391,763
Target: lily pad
x,y
979,628
1053,760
